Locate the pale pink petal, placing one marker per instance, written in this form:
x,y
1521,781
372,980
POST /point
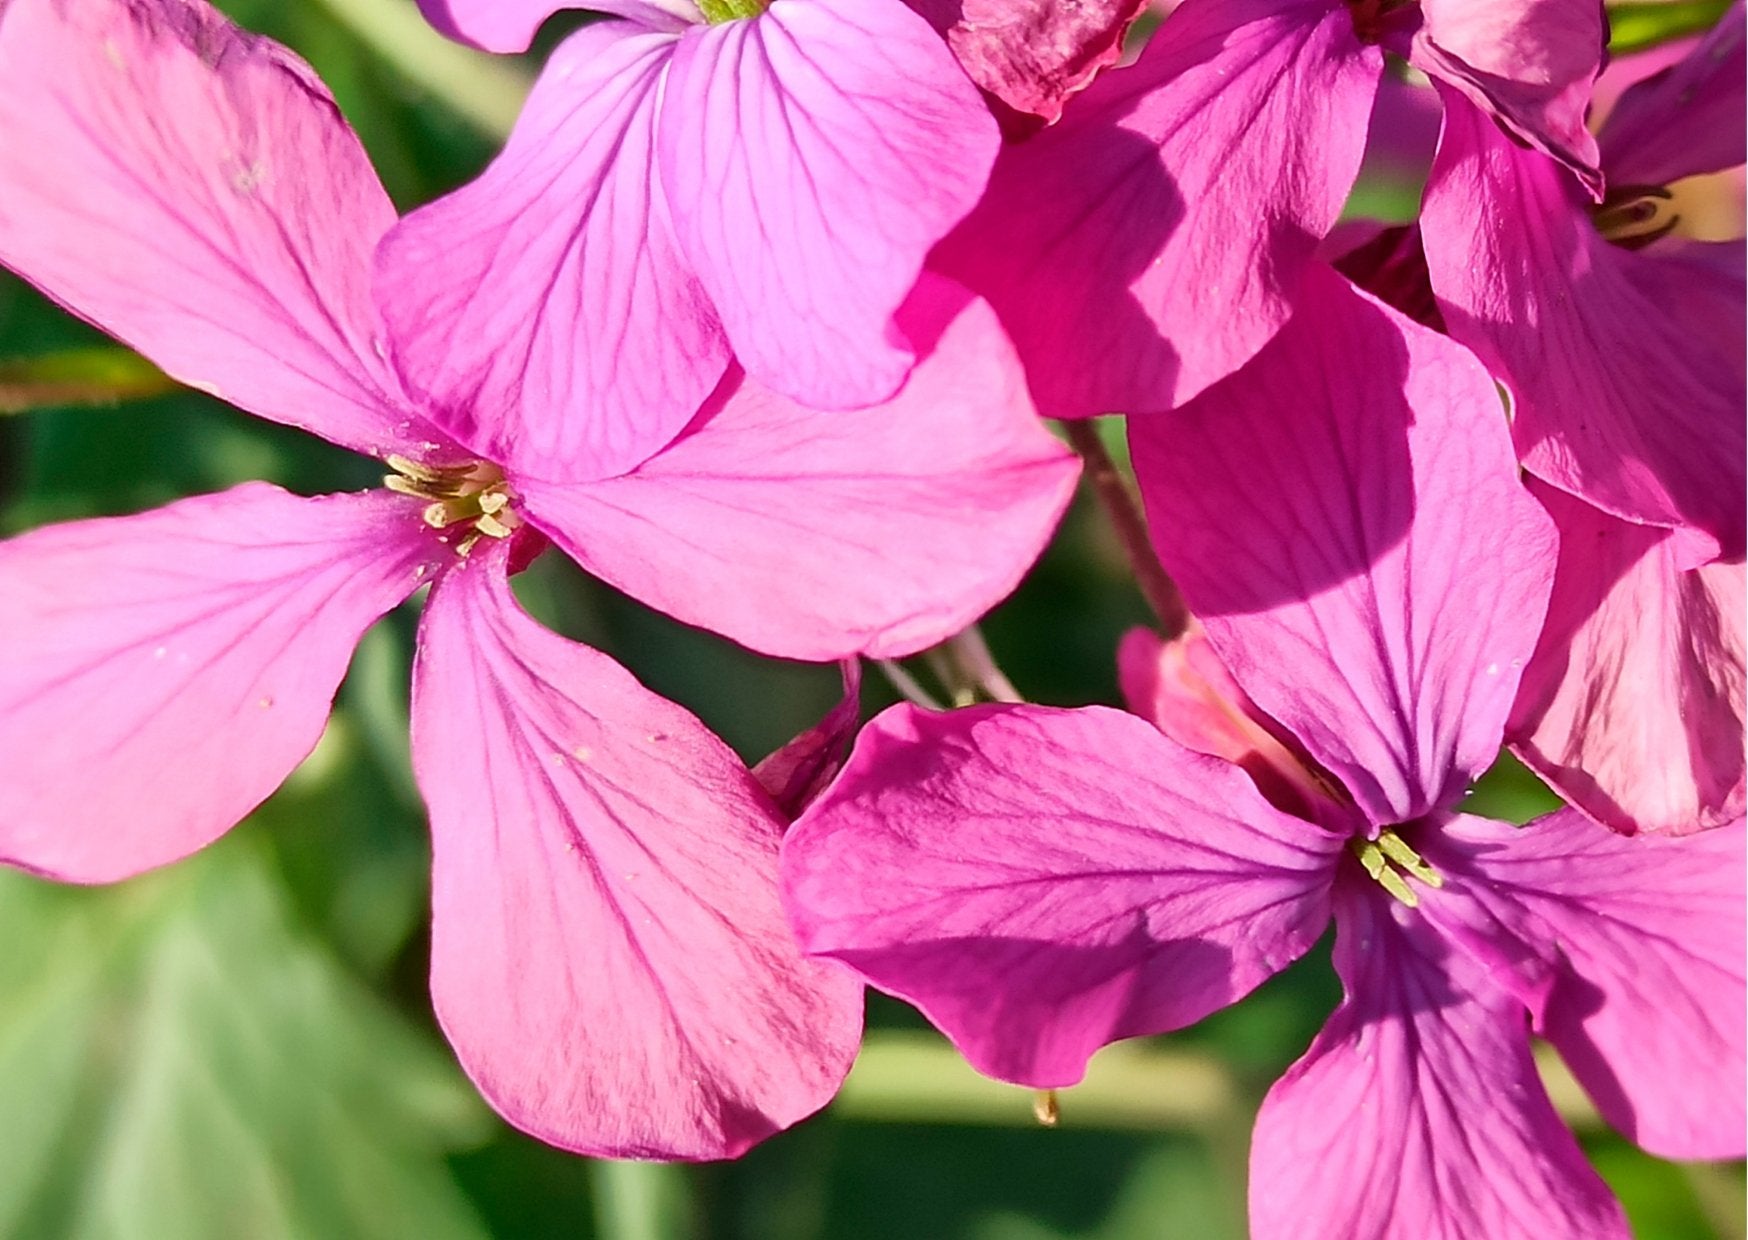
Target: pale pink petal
x,y
1184,689
1625,367
1632,706
1417,1113
796,774
1344,515
1107,242
607,951
192,189
1686,119
814,536
1528,63
1033,54
164,672
1043,882
543,310
510,25
813,156
1645,939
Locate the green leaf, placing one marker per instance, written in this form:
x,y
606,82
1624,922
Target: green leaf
x,y
177,1059
1635,27
98,375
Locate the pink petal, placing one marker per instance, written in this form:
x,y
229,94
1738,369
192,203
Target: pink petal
x,y
1033,54
510,25
544,309
1686,119
1528,63
1646,942
816,536
1625,367
796,774
191,189
1106,243
1043,882
607,951
1417,1112
164,672
1186,692
813,157
1321,509
1632,706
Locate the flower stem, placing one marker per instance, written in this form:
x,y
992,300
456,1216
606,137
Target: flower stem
x,y
1130,526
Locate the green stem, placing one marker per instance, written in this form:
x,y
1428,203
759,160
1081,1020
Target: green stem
x,y
1130,526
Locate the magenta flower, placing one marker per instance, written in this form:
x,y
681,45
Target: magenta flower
x,y
1043,882
608,954
1632,706
1107,242
1623,351
678,189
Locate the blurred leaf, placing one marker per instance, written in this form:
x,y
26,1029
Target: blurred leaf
x,y
99,375
1635,27
177,1060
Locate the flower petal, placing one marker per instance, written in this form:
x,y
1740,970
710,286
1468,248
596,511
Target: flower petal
x,y
1106,242
813,157
1625,367
1043,882
1632,706
1648,994
164,672
192,189
510,25
1033,54
794,775
544,310
1321,509
1417,1112
607,951
1686,119
813,536
1527,63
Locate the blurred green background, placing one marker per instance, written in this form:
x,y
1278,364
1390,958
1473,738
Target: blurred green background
x,y
242,1046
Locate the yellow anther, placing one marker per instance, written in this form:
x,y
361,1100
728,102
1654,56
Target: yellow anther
x,y
1046,1109
473,494
1390,862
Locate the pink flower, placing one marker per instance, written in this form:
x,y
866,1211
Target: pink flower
x,y
678,191
1043,882
608,954
1155,239
1623,352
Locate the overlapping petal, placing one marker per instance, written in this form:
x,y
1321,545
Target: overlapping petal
x,y
1625,367
1528,63
608,954
192,189
812,158
1645,938
1417,1112
1633,705
165,672
812,535
543,310
1106,243
1686,119
1043,882
1345,517
1033,54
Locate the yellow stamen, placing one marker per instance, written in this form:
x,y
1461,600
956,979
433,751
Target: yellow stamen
x,y
1390,862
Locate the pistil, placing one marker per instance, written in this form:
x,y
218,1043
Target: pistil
x,y
1633,216
718,11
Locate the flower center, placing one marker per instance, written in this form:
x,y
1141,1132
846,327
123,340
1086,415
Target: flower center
x,y
1633,216
718,11
1372,18
473,497
1391,863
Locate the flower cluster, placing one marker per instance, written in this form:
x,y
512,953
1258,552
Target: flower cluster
x,y
756,317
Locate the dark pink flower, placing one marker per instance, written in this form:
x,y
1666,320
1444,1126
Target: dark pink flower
x,y
1622,351
608,954
1042,882
679,190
